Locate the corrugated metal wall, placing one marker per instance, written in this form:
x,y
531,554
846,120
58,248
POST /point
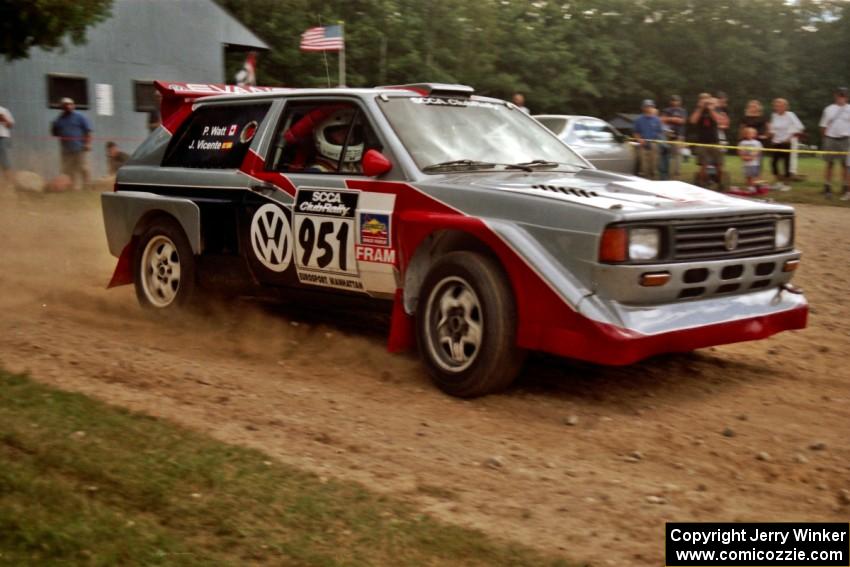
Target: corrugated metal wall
x,y
175,40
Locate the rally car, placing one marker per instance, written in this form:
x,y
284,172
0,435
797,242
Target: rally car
x,y
489,236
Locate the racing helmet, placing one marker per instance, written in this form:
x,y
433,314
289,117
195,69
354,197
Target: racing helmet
x,y
330,136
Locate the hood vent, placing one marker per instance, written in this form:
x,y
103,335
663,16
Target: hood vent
x,y
566,190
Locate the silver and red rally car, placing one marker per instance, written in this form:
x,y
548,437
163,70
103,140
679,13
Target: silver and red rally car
x,y
489,235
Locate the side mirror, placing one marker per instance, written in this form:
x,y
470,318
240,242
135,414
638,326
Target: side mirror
x,y
375,164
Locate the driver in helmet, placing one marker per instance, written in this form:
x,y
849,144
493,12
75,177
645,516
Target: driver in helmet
x,y
330,137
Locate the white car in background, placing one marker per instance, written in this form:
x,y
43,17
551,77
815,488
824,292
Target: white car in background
x,y
594,139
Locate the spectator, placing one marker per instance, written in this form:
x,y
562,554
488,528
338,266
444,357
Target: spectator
x,y
708,123
74,132
835,130
648,131
519,100
723,109
674,117
154,117
784,125
751,157
115,158
754,118
7,122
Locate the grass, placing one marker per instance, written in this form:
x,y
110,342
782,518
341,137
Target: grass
x,y
85,483
806,191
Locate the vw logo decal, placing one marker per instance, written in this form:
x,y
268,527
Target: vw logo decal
x,y
271,237
730,239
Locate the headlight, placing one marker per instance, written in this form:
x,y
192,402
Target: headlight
x,y
622,244
644,243
784,233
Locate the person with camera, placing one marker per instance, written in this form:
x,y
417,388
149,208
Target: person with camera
x,y
707,122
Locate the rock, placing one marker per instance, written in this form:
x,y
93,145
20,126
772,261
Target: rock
x,y
817,446
653,499
800,458
59,184
571,420
29,182
728,432
763,456
701,487
636,455
821,486
844,497
495,462
743,417
823,349
772,351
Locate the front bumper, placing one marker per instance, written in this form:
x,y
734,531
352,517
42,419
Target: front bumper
x,y
678,327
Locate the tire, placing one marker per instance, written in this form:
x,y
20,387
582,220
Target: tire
x,y
164,267
462,292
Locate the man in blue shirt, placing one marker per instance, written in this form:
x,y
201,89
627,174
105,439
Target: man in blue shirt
x,y
674,117
74,132
648,127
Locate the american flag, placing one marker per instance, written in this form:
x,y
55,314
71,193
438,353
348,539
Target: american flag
x,y
325,38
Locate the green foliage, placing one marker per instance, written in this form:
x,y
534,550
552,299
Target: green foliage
x,y
85,483
25,24
597,57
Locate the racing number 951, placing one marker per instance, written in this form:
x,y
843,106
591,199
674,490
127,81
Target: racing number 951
x,y
324,244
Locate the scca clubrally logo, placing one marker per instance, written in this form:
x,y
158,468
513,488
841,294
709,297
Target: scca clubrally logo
x,y
271,237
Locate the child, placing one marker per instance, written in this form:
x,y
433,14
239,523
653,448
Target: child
x,y
115,158
751,157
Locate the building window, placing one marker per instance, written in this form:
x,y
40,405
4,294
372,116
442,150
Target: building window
x,y
61,86
144,94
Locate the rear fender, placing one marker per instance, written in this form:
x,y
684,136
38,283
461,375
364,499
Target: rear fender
x,y
126,214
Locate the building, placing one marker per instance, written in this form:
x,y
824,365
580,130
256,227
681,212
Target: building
x,y
110,77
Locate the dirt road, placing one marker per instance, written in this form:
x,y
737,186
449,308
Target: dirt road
x,y
583,461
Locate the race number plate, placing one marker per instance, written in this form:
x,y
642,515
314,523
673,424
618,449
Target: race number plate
x,y
324,226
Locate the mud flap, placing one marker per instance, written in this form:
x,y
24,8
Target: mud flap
x,y
402,331
123,274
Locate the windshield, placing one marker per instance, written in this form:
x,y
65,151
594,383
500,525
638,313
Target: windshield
x,y
446,131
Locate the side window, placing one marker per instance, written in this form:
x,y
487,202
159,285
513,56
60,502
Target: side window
x,y
322,137
578,133
596,132
216,136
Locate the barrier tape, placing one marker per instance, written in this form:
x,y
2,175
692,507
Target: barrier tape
x,y
745,148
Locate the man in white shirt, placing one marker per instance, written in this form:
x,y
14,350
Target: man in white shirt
x,y
7,122
835,132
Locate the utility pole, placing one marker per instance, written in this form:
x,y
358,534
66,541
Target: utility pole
x,y
382,61
342,55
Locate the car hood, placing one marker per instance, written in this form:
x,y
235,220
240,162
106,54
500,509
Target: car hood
x,y
614,192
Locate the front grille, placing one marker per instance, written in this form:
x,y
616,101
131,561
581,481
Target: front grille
x,y
703,240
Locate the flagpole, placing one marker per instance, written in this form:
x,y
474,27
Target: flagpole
x,y
342,55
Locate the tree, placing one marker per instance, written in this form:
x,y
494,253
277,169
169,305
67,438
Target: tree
x,y
25,24
596,57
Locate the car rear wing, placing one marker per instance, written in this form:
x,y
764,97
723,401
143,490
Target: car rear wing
x,y
177,98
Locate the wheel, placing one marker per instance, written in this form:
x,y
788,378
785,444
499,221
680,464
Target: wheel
x,y
164,267
466,326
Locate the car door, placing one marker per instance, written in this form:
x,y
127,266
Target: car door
x,y
602,145
317,223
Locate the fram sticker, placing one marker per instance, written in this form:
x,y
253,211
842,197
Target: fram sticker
x,y
232,131
376,254
375,229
